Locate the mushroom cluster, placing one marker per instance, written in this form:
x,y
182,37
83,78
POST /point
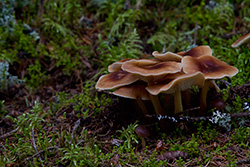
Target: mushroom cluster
x,y
169,73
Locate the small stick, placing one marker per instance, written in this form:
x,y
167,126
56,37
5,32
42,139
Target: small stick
x,y
243,161
38,153
195,32
34,143
8,134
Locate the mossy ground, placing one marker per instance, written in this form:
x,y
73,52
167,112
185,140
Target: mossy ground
x,y
53,52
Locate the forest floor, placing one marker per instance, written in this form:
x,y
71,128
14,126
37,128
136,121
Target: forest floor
x,y
55,117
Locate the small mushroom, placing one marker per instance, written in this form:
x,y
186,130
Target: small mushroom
x,y
143,132
151,70
211,68
197,51
242,40
168,56
218,104
135,91
115,79
180,83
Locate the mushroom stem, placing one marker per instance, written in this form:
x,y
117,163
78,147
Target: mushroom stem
x,y
142,106
213,84
167,100
203,98
143,143
155,100
187,99
177,102
143,132
156,104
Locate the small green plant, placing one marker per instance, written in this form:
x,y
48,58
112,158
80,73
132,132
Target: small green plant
x,y
23,148
85,103
128,47
226,93
36,76
191,147
61,19
208,133
208,16
237,105
81,152
30,121
152,161
241,135
72,153
90,101
3,110
129,136
169,37
230,157
180,162
17,45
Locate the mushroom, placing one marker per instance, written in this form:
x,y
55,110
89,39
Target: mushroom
x,y
218,104
143,132
211,67
194,52
197,51
180,83
115,79
151,67
116,66
135,91
168,56
243,39
151,70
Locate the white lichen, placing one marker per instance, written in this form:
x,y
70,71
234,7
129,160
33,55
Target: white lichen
x,y
222,119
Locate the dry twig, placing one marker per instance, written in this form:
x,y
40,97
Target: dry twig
x,y
8,134
34,143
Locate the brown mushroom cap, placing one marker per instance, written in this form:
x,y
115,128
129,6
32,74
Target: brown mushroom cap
x,y
211,67
133,91
115,79
243,39
197,51
152,67
142,131
218,104
182,82
116,66
168,56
